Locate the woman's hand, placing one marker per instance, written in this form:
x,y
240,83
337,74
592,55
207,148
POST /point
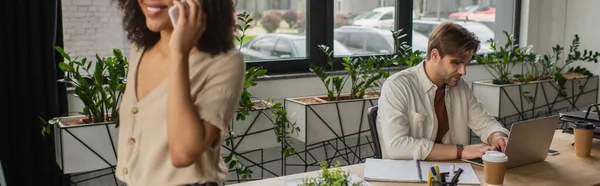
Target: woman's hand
x,y
189,28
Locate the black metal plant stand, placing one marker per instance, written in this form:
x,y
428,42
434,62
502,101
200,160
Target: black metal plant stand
x,y
71,131
341,148
546,108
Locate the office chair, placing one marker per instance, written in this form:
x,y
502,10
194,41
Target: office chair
x,y
372,118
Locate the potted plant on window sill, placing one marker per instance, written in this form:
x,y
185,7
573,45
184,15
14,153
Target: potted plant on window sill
x,y
87,141
544,86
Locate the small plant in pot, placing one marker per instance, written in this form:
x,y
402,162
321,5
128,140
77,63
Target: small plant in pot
x,y
100,88
333,175
501,62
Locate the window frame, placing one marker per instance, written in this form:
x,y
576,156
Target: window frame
x,y
320,12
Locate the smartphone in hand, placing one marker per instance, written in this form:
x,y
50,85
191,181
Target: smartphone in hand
x,y
552,152
174,13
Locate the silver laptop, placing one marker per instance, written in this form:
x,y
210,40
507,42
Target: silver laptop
x,y
528,142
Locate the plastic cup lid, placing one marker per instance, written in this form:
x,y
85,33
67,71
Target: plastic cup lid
x,y
583,125
495,156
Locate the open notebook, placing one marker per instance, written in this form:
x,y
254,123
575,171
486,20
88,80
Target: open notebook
x,y
413,171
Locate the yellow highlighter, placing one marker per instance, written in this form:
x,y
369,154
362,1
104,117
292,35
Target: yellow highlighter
x,y
437,170
429,177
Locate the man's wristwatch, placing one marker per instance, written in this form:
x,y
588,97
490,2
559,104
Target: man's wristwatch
x,y
459,148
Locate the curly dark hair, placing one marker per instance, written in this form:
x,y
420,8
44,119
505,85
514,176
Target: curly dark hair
x,y
217,38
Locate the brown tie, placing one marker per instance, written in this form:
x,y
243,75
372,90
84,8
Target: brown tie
x,y
441,114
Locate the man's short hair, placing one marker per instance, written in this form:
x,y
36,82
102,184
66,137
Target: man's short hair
x,y
452,39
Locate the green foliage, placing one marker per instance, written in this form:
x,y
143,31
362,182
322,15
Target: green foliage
x,y
100,89
404,54
574,55
333,84
282,127
553,66
245,104
363,74
242,28
233,163
501,62
270,22
334,176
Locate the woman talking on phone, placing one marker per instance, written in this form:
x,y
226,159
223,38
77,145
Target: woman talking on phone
x,y
184,83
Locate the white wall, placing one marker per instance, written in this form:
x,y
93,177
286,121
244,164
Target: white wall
x,y
582,19
92,27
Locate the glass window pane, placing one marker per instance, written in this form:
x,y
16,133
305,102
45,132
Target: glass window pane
x,y
363,27
477,16
277,32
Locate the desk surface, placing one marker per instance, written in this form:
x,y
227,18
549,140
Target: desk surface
x,y
562,169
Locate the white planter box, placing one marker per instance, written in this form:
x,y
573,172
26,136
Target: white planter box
x,y
256,132
85,147
504,101
325,121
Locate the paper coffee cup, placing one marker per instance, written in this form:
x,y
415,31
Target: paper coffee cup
x,y
494,165
584,134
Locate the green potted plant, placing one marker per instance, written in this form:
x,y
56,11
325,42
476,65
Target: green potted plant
x,y
87,141
545,85
501,62
333,175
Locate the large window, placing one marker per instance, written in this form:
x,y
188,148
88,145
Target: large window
x,y
362,27
285,34
487,19
278,31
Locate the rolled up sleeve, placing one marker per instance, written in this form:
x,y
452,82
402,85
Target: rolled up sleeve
x,y
481,122
393,116
216,102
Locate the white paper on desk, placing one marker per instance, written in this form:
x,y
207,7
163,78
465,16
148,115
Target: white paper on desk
x,y
391,170
352,178
468,175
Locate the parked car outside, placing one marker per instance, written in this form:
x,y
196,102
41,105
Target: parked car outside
x,y
382,18
372,41
482,32
281,46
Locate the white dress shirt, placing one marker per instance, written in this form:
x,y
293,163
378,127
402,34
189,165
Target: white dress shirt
x,y
407,122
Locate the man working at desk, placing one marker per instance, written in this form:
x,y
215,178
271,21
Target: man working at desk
x,y
425,112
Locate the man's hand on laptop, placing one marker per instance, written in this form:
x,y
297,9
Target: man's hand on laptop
x,y
475,151
498,140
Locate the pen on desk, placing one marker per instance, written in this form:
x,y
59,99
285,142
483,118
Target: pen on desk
x,y
455,178
451,172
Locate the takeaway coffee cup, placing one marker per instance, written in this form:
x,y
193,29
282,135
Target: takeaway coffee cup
x,y
494,165
584,134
